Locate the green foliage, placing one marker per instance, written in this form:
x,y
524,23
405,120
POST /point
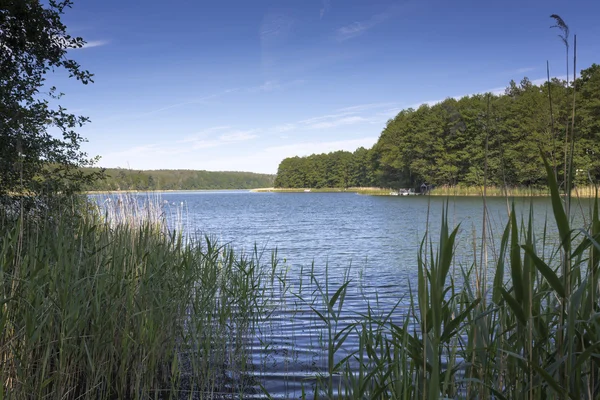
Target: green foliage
x,y
533,334
444,144
339,169
39,146
107,309
179,179
587,139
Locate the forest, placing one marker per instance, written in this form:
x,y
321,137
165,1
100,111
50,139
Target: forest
x,y
445,144
126,179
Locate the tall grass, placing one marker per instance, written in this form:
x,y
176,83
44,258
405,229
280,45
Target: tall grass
x,y
536,335
99,309
493,191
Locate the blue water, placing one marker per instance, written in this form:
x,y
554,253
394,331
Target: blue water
x,y
372,240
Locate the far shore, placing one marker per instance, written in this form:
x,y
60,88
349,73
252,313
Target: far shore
x,y
374,191
458,191
157,191
448,191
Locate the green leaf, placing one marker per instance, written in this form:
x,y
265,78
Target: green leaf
x,y
452,325
583,357
514,305
499,277
551,381
337,294
546,271
560,216
515,258
341,337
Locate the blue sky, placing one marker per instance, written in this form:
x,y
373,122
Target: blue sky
x,y
240,85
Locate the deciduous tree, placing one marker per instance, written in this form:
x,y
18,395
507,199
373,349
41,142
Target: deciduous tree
x,y
39,145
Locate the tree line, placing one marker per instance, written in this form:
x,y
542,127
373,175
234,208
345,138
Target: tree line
x,y
445,144
126,179
339,169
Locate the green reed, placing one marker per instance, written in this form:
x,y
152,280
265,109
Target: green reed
x,y
588,191
492,191
535,333
96,308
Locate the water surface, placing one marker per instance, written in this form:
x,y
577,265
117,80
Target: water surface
x,y
372,240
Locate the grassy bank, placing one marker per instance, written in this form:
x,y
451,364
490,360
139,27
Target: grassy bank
x,y
491,191
497,191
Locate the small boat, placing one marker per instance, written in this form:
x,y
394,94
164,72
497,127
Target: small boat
x,y
306,190
404,192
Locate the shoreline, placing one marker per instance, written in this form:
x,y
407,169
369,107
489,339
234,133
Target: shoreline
x,y
367,190
453,191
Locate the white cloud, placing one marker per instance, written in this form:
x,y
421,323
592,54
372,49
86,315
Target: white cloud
x,y
275,28
495,91
273,85
184,103
226,135
524,70
344,116
264,160
338,122
313,120
364,107
268,159
161,155
267,86
153,150
204,133
357,28
325,8
352,30
238,136
427,102
308,148
542,81
66,44
284,128
94,43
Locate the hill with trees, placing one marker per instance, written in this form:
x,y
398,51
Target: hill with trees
x,y
445,144
126,179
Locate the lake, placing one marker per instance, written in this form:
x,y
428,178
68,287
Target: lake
x,y
372,240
